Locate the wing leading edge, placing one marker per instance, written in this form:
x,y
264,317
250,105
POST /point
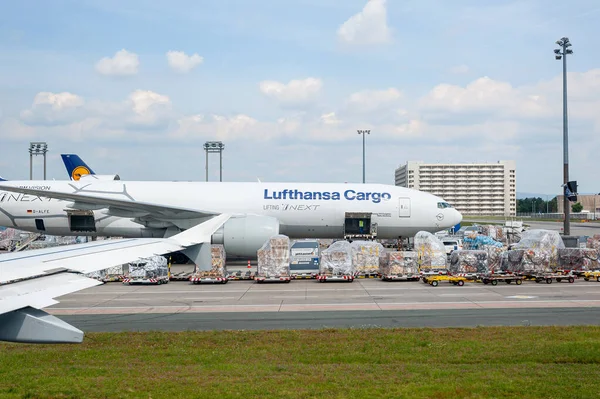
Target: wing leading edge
x,y
116,206
31,280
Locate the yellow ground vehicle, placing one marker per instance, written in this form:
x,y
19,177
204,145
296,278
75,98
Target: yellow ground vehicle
x,y
456,280
587,276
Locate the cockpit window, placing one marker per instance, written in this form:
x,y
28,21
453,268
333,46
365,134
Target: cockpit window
x,y
444,205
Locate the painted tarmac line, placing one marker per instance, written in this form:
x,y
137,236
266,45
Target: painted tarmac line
x,y
325,306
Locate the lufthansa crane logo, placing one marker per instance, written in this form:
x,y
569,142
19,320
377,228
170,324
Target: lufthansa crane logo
x,y
79,171
440,217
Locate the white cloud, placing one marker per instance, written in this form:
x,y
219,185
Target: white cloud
x,y
460,69
183,63
486,96
53,109
123,63
368,26
295,92
149,108
373,100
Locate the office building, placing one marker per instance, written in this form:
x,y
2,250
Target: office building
x,y
473,189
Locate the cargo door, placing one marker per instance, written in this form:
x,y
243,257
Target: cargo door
x,y
404,207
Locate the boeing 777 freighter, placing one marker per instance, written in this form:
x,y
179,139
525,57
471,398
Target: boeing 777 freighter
x,y
259,210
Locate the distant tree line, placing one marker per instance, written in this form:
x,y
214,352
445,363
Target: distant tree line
x,y
537,205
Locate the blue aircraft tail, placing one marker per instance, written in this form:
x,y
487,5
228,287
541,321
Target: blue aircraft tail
x,y
1,179
75,166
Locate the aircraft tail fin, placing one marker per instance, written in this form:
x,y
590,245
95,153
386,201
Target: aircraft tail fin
x,y
75,166
1,179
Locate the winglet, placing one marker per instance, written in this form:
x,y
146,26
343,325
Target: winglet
x,y
75,166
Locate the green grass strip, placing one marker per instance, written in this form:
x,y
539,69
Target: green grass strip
x,y
487,362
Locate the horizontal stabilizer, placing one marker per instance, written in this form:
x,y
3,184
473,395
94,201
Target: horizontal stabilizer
x,y
35,326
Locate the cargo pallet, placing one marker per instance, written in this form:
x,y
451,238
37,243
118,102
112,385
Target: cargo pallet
x,y
348,278
508,279
397,277
455,280
209,280
156,281
276,279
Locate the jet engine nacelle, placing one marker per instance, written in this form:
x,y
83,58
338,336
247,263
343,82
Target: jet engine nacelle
x,y
99,177
244,235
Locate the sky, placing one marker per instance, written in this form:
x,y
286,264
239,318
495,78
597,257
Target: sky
x,y
136,88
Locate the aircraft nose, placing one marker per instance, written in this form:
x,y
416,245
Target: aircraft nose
x,y
456,217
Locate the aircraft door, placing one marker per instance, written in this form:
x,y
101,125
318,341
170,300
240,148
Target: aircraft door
x,y
404,207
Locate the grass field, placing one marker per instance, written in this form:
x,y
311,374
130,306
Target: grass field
x,y
512,362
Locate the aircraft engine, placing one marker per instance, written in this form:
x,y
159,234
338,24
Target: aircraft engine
x,y
244,235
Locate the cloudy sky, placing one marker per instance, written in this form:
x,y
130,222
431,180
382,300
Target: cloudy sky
x,y
137,87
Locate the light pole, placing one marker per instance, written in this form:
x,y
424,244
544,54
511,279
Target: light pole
x,y
364,132
37,148
561,53
215,147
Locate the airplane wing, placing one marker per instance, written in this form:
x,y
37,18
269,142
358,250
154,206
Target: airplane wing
x,y
116,206
31,280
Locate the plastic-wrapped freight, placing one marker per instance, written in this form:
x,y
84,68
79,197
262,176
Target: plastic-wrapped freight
x,y
274,257
494,257
217,267
477,241
512,261
400,263
366,256
490,231
530,261
594,242
578,259
337,259
97,275
541,250
431,251
468,261
146,268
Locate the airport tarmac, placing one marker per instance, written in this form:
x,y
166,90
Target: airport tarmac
x,y
309,304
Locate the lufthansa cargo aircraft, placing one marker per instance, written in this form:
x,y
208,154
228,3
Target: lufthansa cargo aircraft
x,y
259,210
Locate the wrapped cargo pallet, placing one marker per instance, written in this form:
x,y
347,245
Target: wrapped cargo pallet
x,y
217,267
541,250
476,241
494,257
584,259
400,263
274,257
594,242
337,259
468,262
366,256
149,268
431,251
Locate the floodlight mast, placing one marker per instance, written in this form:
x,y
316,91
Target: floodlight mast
x,y
364,132
561,53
